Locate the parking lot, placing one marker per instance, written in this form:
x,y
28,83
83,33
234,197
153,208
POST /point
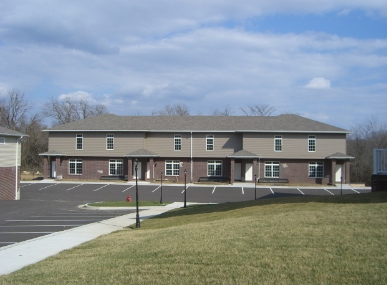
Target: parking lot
x,y
47,208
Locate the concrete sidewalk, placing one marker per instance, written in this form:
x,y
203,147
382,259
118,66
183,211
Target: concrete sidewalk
x,y
19,255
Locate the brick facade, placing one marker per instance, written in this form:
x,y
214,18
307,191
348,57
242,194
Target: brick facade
x,y
7,184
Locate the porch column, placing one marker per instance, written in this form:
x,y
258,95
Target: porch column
x,y
130,169
57,166
151,169
45,167
255,169
333,172
347,172
232,168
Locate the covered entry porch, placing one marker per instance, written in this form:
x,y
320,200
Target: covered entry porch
x,y
243,166
340,168
144,160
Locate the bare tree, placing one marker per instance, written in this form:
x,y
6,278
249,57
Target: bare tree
x,y
69,110
13,109
258,110
222,112
177,109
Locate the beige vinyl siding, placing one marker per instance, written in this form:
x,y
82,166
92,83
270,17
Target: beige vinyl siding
x,y
8,152
94,143
294,145
224,144
163,144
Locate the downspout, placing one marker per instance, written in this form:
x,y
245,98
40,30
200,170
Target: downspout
x,y
191,161
17,169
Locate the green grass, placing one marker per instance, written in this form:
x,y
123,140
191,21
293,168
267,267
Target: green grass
x,y
127,204
298,240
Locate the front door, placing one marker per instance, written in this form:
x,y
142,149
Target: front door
x,y
138,170
339,172
249,172
53,169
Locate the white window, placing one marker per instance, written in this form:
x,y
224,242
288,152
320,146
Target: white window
x,y
172,167
277,143
316,169
75,166
210,142
79,141
2,140
311,143
109,141
177,142
116,167
272,169
214,168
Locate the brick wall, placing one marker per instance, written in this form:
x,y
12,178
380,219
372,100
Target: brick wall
x,y
7,183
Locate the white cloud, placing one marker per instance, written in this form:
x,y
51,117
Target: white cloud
x,y
78,95
319,83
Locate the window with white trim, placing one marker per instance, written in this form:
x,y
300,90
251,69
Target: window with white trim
x,y
277,143
272,169
209,142
75,166
316,169
2,140
109,142
116,167
177,142
172,167
311,143
214,168
79,141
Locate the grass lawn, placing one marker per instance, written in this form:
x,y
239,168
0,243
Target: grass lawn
x,y
297,240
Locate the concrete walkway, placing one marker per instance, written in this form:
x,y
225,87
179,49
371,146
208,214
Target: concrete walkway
x,y
19,255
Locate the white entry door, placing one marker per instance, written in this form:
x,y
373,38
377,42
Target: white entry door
x,y
249,172
147,170
237,171
138,170
339,173
53,169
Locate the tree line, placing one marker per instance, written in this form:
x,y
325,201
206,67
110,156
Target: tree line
x,y
15,114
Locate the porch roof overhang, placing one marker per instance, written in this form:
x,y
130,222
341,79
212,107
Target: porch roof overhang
x,y
243,154
52,153
142,153
339,155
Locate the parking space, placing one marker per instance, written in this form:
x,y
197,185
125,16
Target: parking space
x,y
46,208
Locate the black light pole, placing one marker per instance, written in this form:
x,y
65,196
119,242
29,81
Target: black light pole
x,y
185,188
255,186
161,188
341,185
137,215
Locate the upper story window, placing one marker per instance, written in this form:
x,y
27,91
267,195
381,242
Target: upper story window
x,y
311,143
109,141
277,143
210,142
177,142
79,141
2,140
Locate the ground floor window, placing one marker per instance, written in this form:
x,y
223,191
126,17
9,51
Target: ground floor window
x,y
214,168
75,166
116,167
316,169
272,169
172,167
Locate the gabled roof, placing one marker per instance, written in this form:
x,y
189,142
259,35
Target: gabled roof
x,y
10,133
339,155
282,123
142,153
53,153
243,154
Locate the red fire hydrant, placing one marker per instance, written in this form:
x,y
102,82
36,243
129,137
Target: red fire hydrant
x,y
128,199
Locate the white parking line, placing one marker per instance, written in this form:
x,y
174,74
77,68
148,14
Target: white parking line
x,y
156,189
47,186
25,185
301,191
271,191
101,187
74,187
355,191
213,190
184,189
243,192
127,188
329,191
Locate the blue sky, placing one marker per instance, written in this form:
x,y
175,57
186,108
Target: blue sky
x,y
324,60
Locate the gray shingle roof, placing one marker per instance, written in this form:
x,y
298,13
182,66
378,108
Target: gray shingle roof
x,y
283,123
142,153
339,155
243,154
10,133
53,153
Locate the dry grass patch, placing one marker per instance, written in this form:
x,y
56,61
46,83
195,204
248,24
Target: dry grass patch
x,y
307,240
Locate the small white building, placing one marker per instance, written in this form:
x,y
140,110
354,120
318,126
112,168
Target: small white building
x,y
10,160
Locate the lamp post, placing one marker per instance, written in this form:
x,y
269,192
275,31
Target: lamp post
x,y
255,186
341,182
137,215
185,188
161,188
